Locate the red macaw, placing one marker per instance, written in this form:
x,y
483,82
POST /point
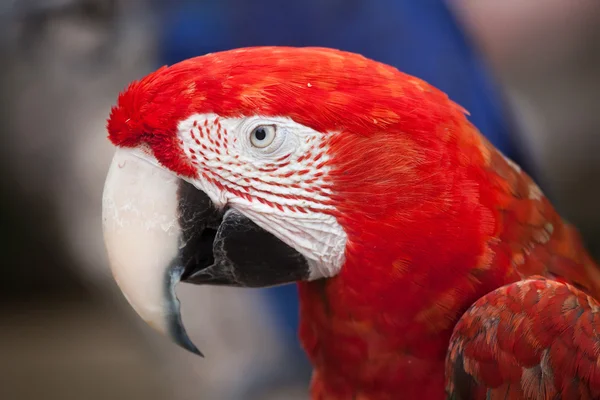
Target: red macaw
x,y
429,266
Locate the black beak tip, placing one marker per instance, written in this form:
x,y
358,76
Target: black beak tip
x,y
176,330
181,337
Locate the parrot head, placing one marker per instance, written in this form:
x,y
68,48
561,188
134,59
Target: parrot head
x,y
263,166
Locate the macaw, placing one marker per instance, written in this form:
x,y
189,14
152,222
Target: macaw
x,y
422,38
428,264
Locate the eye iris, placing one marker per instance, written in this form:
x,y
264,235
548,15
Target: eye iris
x,y
260,134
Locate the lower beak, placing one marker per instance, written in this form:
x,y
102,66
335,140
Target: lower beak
x,y
160,229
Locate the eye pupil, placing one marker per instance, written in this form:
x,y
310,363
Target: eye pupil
x,y
260,134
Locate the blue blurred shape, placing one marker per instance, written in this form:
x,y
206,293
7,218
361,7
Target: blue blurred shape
x,y
418,37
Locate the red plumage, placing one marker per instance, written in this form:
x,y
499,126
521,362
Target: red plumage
x,y
532,339
436,219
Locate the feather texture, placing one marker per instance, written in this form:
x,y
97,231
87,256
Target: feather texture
x,y
436,220
534,339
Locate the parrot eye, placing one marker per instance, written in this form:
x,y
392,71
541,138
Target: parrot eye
x,y
262,136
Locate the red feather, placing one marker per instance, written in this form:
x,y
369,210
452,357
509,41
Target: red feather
x,y
436,218
534,339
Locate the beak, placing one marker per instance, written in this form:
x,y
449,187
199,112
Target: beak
x,y
160,230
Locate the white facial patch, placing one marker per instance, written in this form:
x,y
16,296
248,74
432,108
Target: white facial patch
x,y
282,186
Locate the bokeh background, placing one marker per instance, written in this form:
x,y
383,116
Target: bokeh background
x,y
529,72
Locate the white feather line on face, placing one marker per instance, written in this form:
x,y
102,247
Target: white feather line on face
x,y
291,172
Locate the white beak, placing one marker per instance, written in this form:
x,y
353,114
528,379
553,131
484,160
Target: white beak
x,y
160,229
142,234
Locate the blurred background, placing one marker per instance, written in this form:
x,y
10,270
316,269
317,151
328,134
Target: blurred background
x,y
529,73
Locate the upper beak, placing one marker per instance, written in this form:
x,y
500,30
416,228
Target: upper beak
x,y
160,229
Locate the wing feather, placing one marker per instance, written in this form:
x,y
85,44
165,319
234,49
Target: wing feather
x,y
533,339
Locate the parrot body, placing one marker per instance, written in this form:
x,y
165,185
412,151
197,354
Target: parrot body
x,y
376,339
428,264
